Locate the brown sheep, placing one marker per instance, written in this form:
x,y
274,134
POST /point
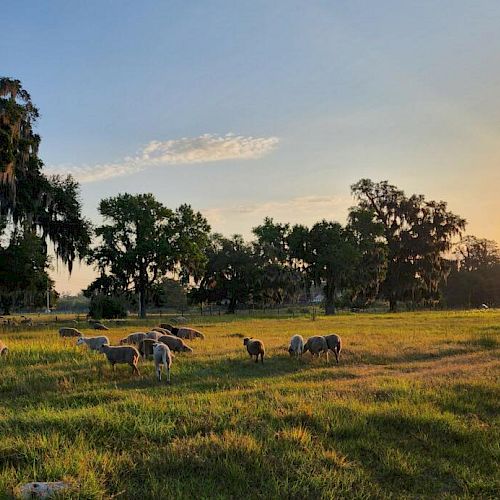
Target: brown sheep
x,y
166,326
187,333
146,347
100,326
255,348
161,330
175,343
334,343
126,354
69,332
316,345
153,334
133,338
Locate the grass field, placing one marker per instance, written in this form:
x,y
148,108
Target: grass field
x,y
410,411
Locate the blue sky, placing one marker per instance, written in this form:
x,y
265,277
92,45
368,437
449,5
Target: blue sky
x,y
141,97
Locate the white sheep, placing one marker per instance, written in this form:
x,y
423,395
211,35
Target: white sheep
x,y
94,343
296,347
162,356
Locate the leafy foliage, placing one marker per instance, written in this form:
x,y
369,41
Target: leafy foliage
x,y
107,307
142,241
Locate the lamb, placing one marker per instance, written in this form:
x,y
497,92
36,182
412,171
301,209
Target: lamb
x,y
3,349
133,338
187,333
175,343
296,346
94,343
255,348
316,345
162,356
155,335
69,332
100,326
126,354
334,343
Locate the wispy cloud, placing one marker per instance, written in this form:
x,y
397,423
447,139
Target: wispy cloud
x,y
187,150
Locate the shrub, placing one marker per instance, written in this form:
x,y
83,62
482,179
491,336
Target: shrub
x,y
107,307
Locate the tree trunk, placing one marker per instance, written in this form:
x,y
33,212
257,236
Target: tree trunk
x,y
231,307
329,298
142,304
393,303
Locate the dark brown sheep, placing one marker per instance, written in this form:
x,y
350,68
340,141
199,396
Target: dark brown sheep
x,y
255,348
334,343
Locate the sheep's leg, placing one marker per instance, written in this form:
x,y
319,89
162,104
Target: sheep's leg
x,y
336,356
135,370
262,357
168,372
257,358
327,358
158,372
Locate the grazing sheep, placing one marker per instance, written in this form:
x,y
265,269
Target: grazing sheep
x,y
161,330
175,343
187,333
145,347
255,348
133,338
180,319
100,326
166,326
162,356
3,349
296,346
94,343
334,343
153,334
316,345
69,332
126,354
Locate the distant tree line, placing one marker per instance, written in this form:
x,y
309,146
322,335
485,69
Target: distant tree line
x,y
393,247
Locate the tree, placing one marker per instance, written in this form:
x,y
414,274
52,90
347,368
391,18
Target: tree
x,y
474,253
475,275
280,280
24,280
143,241
231,275
329,255
418,233
30,200
371,263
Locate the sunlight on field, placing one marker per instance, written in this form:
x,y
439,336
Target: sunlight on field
x,y
411,410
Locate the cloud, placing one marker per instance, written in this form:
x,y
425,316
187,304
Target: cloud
x,y
187,150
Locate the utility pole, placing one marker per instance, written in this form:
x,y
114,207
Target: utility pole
x,y
48,297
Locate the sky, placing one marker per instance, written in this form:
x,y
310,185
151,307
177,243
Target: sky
x,y
254,109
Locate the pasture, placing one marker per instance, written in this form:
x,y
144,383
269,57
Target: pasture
x,y
410,411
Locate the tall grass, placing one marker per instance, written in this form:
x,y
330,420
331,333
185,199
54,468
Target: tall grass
x,y
410,411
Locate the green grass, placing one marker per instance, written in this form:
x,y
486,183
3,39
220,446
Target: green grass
x,y
411,411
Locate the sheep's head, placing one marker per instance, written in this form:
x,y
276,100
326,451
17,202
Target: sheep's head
x,y
186,348
103,347
80,341
246,340
290,351
123,341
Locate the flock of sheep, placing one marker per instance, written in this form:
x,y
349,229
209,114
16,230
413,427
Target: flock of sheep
x,y
163,340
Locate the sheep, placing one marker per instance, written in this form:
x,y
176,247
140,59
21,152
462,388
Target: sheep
x,y
145,347
316,345
126,354
69,332
155,335
162,356
334,343
162,331
166,326
3,349
100,326
255,348
175,343
133,338
94,343
296,346
187,333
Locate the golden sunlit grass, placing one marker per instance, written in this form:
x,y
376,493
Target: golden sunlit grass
x,y
411,411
